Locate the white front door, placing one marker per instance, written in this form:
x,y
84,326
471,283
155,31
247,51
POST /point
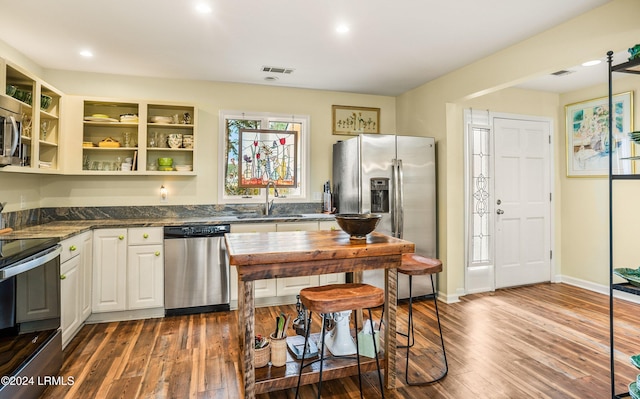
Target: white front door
x,y
522,202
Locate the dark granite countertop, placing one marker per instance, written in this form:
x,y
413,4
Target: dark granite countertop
x,y
69,228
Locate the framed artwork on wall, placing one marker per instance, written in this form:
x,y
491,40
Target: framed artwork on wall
x,y
267,155
587,129
355,120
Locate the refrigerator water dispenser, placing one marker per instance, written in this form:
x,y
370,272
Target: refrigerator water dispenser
x,y
379,195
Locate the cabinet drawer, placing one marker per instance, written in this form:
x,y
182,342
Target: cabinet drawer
x,y
145,235
71,247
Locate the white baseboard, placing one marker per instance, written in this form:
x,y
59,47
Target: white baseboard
x,y
599,288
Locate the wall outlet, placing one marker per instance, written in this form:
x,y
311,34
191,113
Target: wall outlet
x,y
317,196
23,202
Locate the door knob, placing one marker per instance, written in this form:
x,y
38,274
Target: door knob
x,y
499,211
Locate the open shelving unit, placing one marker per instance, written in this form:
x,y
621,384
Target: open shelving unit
x,y
633,67
40,105
148,135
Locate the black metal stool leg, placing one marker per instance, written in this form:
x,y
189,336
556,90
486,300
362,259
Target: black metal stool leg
x,y
410,331
375,350
322,333
304,349
444,353
355,321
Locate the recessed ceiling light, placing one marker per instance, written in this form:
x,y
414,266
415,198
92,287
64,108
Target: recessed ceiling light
x,y
203,8
86,53
342,28
591,63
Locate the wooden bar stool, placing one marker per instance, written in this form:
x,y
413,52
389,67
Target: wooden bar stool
x,y
416,265
335,298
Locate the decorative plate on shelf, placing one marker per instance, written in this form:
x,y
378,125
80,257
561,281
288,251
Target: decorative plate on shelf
x,y
631,275
99,118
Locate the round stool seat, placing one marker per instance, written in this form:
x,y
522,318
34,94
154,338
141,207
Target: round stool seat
x,y
334,298
416,265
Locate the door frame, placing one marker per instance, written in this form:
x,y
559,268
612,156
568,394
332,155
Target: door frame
x,y
482,278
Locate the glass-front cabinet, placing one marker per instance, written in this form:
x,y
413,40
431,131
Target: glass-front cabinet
x,y
131,137
40,105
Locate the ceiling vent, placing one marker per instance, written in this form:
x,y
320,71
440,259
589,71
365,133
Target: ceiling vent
x,y
282,70
562,72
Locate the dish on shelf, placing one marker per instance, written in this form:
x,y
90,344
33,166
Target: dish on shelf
x,y
87,144
130,118
165,162
165,168
45,101
161,119
184,168
94,118
109,143
11,90
631,275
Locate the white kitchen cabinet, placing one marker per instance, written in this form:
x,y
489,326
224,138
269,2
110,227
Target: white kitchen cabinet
x,y
145,268
75,284
109,270
40,105
261,288
99,127
293,285
70,299
128,269
145,277
333,278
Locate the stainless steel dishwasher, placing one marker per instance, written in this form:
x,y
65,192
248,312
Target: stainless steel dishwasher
x,y
196,272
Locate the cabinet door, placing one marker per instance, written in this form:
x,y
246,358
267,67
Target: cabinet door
x,y
70,298
109,270
145,277
333,278
293,285
261,288
86,267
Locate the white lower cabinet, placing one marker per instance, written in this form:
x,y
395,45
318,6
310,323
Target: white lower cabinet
x,y
75,284
145,276
261,288
293,285
289,286
109,270
128,269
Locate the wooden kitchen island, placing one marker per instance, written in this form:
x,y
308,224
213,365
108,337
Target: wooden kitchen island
x,y
288,254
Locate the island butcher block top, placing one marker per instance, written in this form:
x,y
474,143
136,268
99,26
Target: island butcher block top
x,y
296,253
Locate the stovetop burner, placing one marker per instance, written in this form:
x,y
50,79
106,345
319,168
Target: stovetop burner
x,y
14,250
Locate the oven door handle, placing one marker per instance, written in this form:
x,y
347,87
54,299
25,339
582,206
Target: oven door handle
x,y
37,260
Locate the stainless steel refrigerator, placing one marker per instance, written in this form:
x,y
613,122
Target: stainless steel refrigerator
x,y
393,176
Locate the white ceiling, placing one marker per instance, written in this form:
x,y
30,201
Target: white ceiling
x,y
391,47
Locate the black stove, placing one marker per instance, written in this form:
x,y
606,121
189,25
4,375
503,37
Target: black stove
x,y
30,338
15,250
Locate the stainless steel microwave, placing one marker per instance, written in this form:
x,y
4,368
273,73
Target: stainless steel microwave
x,y
10,138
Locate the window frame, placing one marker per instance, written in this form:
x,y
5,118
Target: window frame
x,y
264,118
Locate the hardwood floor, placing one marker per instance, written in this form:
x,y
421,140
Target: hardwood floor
x,y
541,341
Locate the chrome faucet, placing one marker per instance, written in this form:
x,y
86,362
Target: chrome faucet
x,y
267,205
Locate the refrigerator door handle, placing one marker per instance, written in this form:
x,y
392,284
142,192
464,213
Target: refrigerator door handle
x,y
400,201
394,206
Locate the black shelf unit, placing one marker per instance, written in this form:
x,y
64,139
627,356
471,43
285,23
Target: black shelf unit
x,y
632,67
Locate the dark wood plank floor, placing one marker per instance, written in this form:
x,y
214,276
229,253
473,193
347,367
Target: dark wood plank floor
x,y
541,341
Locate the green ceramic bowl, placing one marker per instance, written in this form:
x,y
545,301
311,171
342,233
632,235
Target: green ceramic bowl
x,y
165,161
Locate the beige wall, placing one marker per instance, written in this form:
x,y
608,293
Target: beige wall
x,y
210,97
437,107
585,206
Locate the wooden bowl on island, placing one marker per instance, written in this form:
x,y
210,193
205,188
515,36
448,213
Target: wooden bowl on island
x,y
358,225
